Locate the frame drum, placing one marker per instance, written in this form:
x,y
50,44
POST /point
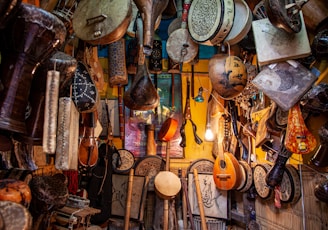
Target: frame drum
x,y
101,22
210,23
242,23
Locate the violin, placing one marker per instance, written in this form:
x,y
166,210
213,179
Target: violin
x,y
88,149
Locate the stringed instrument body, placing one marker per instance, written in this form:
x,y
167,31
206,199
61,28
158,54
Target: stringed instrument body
x,y
298,138
226,169
88,149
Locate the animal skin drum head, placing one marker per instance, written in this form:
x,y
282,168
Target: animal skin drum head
x,y
242,23
210,22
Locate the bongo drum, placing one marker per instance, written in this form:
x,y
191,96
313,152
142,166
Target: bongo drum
x,y
32,37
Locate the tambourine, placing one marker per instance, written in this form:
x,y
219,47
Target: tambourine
x,y
126,159
242,23
210,23
149,166
290,187
260,172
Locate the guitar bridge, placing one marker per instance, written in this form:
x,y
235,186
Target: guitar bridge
x,y
223,176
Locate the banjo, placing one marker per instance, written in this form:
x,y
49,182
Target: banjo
x,y
101,22
180,46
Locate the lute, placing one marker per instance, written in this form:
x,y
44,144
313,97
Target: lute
x,y
226,169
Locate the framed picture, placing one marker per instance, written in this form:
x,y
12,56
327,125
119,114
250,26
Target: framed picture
x,y
120,191
136,121
215,201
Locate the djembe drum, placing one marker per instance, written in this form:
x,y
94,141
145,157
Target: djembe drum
x,y
66,65
33,36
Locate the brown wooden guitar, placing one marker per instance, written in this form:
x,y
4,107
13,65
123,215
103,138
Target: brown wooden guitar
x,y
88,150
298,138
226,169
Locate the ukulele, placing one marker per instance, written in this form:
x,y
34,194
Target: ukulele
x,y
298,138
88,149
226,169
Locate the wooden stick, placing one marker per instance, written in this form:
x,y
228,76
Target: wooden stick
x,y
166,201
128,201
200,201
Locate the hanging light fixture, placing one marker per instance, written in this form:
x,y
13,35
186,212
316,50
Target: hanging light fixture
x,y
199,97
209,135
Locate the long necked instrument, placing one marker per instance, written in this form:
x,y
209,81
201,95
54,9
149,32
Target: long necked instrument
x,y
150,10
88,149
226,169
167,184
142,94
180,46
102,22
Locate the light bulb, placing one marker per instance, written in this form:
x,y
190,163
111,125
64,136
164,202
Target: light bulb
x,y
209,136
199,97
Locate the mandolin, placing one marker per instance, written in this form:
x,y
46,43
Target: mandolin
x,y
298,138
226,169
88,149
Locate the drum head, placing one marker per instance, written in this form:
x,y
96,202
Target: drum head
x,y
101,21
210,22
180,42
242,23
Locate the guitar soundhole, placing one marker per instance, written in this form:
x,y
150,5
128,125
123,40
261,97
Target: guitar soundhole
x,y
223,164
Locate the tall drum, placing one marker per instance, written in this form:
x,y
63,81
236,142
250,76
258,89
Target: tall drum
x,y
32,37
66,65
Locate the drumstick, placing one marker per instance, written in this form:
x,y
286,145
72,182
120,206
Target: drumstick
x,y
128,201
200,201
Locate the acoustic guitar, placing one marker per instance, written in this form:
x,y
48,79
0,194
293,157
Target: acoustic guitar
x,y
298,138
226,169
